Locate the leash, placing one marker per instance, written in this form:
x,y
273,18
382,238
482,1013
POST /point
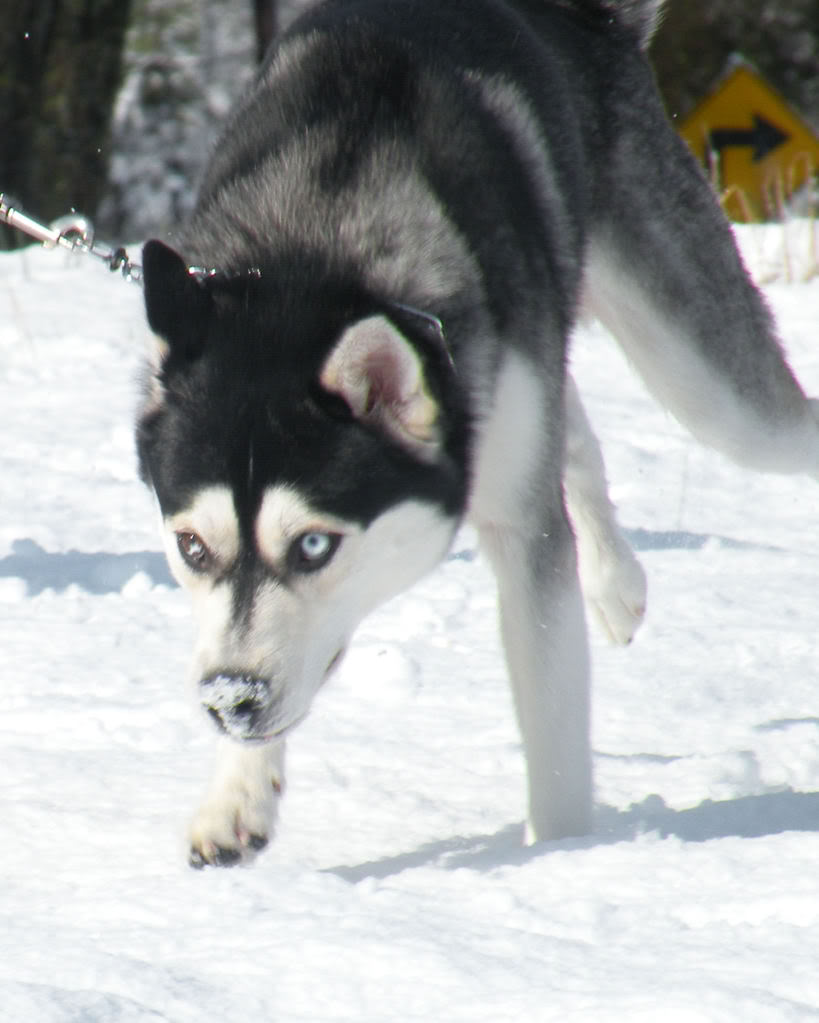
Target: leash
x,y
73,232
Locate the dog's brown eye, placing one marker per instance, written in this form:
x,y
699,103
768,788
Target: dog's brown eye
x,y
193,551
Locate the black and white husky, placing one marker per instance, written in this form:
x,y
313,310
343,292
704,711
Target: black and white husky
x,y
361,340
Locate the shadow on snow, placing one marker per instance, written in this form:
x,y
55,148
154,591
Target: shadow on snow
x,y
96,573
744,817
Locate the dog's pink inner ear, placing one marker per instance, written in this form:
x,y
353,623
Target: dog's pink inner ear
x,y
380,376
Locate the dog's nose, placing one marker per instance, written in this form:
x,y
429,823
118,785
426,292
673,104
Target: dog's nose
x,y
237,704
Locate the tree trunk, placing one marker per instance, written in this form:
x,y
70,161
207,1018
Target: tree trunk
x,y
60,67
264,17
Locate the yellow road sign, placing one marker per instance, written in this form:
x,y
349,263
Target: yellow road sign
x,y
756,148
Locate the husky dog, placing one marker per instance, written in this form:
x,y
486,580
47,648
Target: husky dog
x,y
362,340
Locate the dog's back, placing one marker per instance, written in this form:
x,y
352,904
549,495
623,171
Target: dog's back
x,y
458,159
380,127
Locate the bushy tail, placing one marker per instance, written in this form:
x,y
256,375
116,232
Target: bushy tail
x,y
664,274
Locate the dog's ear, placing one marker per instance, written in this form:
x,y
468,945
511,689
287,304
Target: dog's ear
x,y
380,376
176,303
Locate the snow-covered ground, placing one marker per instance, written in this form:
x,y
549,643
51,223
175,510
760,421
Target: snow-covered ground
x,y
398,888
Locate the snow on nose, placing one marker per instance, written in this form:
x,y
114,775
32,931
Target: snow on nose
x,y
238,704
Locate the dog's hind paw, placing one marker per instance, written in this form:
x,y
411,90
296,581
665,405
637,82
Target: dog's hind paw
x,y
614,585
618,619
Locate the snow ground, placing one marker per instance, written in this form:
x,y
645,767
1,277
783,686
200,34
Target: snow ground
x,y
398,889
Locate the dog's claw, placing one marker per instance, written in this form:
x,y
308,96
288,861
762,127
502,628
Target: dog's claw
x,y
197,860
211,855
217,858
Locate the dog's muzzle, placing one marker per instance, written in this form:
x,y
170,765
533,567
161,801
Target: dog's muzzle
x,y
241,706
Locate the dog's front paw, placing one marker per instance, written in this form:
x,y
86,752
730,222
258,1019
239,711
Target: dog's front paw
x,y
234,825
207,854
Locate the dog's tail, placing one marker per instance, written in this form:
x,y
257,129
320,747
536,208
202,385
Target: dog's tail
x,y
664,274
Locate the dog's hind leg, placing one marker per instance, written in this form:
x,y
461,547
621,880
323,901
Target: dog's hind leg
x,y
664,274
613,580
517,507
238,814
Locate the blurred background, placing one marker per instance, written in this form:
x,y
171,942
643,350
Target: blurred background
x,y
110,107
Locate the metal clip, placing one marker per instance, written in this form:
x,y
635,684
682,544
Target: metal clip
x,y
73,232
49,236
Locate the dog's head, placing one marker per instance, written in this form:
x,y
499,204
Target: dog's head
x,y
306,465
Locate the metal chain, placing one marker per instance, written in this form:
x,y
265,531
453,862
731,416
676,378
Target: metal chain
x,y
73,232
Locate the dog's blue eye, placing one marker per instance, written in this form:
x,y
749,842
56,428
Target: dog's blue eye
x,y
312,551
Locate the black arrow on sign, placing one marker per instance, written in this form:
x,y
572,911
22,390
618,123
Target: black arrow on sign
x,y
764,137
